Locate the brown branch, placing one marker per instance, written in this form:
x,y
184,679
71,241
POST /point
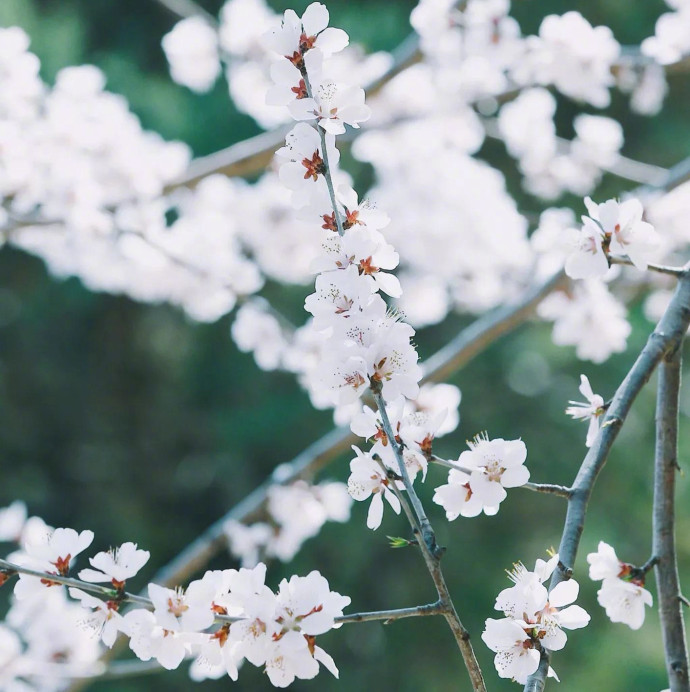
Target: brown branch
x,y
664,544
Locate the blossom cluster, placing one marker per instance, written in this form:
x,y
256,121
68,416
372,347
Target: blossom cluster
x,y
622,593
218,621
118,224
295,513
534,619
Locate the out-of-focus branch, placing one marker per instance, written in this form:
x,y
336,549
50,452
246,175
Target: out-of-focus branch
x,y
188,8
666,338
664,543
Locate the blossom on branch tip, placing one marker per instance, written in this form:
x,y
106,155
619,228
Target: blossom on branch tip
x,y
593,409
368,478
296,36
116,565
622,593
626,233
485,471
534,620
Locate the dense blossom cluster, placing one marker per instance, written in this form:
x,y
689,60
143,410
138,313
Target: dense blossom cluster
x,y
274,630
120,222
87,189
534,619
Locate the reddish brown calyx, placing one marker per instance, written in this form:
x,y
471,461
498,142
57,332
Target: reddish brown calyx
x,y
300,91
297,59
315,166
222,634
329,222
311,642
306,43
351,218
49,582
425,445
366,267
62,565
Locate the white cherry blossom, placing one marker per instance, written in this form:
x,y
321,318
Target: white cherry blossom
x,y
295,36
485,471
104,620
586,257
624,601
622,223
592,410
368,479
192,51
116,565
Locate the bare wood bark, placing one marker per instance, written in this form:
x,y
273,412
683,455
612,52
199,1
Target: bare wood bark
x,y
664,544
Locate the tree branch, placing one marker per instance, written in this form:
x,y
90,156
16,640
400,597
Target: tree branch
x,y
665,339
188,8
658,268
664,546
431,552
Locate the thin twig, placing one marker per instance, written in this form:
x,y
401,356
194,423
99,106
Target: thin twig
x,y
391,615
328,172
108,592
185,9
665,339
664,543
547,488
432,553
658,268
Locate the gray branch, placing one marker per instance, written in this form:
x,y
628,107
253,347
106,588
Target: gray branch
x,y
665,339
664,546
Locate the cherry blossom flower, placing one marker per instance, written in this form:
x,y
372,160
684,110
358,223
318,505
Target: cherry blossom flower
x,y
116,565
303,163
622,593
586,257
333,106
622,223
624,601
12,521
192,51
176,610
367,478
486,470
604,564
295,36
593,409
104,620
589,318
148,639
540,616
516,654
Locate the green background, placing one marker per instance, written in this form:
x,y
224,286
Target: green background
x,y
135,422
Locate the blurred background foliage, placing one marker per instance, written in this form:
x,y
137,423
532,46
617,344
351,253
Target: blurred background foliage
x,y
133,421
